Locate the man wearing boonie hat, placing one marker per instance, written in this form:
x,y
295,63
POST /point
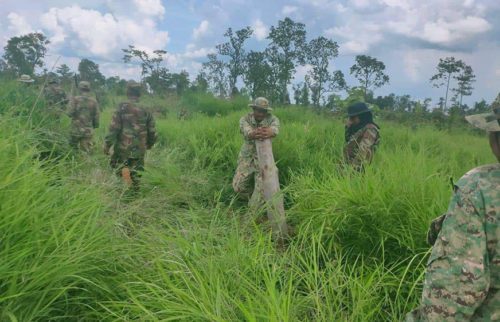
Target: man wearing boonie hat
x,y
260,124
462,281
25,79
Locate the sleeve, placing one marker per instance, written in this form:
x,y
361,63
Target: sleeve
x,y
72,107
245,128
366,146
275,126
114,130
95,116
151,129
457,279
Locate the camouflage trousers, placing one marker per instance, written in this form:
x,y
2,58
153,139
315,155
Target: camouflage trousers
x,y
135,165
82,143
247,182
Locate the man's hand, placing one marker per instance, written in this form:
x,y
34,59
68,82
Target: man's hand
x,y
262,133
265,133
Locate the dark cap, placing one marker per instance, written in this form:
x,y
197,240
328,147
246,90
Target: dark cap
x,y
357,109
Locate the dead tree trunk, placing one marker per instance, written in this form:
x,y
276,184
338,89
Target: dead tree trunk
x,y
271,189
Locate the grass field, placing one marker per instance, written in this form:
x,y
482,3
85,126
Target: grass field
x,y
72,248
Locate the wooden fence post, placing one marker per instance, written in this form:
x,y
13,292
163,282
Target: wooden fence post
x,y
271,189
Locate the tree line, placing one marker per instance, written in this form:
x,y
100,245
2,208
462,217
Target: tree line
x,y
234,70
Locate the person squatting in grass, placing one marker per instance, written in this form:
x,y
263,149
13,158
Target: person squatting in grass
x,y
131,132
361,136
462,281
257,125
84,114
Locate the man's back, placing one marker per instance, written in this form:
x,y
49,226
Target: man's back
x,y
84,113
463,271
132,130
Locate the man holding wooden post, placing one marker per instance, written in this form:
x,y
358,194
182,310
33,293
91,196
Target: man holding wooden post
x,y
256,163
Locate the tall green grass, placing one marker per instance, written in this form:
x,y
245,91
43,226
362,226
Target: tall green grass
x,y
73,248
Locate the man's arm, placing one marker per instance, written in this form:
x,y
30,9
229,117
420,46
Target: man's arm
x,y
457,279
151,131
113,132
246,129
365,147
95,118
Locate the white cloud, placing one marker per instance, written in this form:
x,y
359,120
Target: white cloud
x,y
412,66
357,38
18,24
259,30
201,30
288,10
103,35
150,7
193,53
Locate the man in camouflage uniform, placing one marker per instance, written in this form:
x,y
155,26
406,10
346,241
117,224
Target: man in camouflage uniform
x,y
462,281
55,97
361,136
84,114
258,125
131,132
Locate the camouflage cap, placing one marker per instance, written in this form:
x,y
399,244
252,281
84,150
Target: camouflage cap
x,y
261,103
84,85
134,88
487,121
357,108
25,79
52,79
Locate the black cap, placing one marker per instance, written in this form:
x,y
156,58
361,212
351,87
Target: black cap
x,y
357,109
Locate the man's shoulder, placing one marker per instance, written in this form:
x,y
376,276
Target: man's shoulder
x,y
247,117
486,177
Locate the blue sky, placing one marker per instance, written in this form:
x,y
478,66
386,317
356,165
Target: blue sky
x,y
409,36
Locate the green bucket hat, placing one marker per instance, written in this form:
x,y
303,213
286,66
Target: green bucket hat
x,y
261,103
25,79
357,109
487,121
84,85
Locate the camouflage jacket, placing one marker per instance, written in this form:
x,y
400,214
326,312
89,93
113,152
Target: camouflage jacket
x,y
55,96
361,146
462,281
84,113
247,125
131,132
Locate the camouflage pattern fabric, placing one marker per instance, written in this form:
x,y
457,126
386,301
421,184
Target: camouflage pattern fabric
x,y
247,171
360,148
84,114
462,282
131,132
56,99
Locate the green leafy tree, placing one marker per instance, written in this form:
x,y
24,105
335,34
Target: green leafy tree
x,y
464,79
200,84
320,80
285,50
369,72
446,68
152,71
234,50
89,71
304,95
24,53
257,75
180,81
215,70
65,73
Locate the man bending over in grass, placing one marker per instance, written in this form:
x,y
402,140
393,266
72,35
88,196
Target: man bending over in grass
x,y
131,132
462,281
258,125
